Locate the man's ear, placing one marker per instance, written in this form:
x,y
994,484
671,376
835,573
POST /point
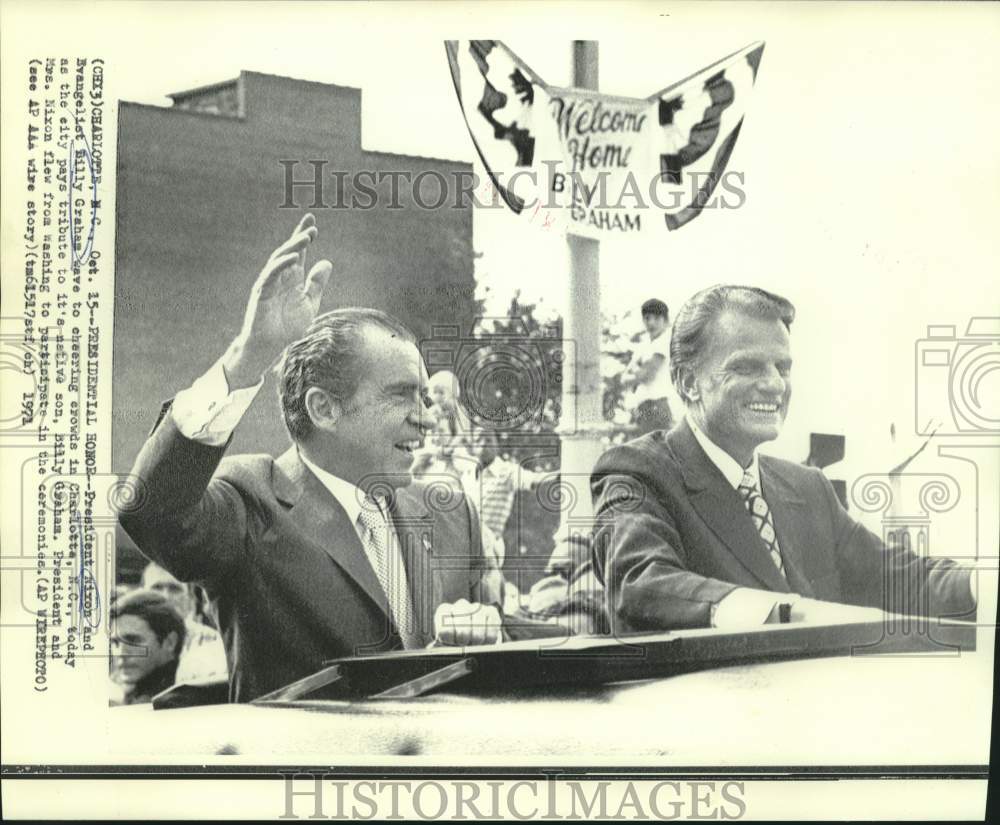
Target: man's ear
x,y
324,410
170,642
687,386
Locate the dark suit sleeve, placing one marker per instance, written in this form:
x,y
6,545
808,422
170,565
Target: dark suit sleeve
x,y
638,552
892,577
488,585
181,518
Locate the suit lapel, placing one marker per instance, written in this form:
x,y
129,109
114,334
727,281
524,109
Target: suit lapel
x,y
319,515
791,523
722,509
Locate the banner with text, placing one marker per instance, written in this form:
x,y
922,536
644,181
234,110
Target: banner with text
x,y
615,164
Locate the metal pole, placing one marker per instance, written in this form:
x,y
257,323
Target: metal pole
x,y
582,422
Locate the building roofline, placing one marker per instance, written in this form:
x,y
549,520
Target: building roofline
x,y
170,110
410,156
209,87
245,72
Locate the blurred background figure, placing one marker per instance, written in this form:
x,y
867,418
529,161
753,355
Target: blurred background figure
x,y
570,594
203,655
646,379
147,637
491,484
446,447
444,392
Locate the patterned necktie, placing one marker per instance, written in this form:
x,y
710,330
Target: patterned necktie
x,y
387,560
762,520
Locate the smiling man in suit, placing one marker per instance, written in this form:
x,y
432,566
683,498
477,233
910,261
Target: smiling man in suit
x,y
330,550
695,529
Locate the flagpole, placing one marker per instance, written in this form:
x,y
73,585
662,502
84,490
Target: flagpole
x,y
582,423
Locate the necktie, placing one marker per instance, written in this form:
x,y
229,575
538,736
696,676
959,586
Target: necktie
x,y
762,520
387,560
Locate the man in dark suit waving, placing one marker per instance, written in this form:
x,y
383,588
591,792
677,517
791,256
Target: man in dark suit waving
x,y
328,551
694,529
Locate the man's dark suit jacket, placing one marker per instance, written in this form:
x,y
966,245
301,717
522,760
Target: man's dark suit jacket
x,y
282,561
673,538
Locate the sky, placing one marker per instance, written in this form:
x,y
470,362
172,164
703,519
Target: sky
x,y
868,153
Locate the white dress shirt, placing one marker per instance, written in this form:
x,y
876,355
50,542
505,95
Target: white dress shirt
x,y
745,606
351,498
207,412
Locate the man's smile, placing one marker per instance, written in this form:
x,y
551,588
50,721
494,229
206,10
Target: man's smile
x,y
764,407
409,446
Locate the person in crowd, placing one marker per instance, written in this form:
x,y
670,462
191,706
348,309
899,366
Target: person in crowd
x,y
147,636
569,593
450,418
694,528
646,379
203,656
329,550
494,480
446,447
492,483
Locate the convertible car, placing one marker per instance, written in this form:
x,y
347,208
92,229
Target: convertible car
x,y
862,691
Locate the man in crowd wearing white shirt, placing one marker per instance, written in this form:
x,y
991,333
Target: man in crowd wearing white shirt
x,y
695,529
329,550
646,379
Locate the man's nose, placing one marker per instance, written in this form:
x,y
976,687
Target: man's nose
x,y
773,382
421,417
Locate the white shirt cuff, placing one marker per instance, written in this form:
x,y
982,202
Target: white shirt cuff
x,y
744,607
207,412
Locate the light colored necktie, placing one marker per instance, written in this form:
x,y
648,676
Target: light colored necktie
x,y
387,560
762,520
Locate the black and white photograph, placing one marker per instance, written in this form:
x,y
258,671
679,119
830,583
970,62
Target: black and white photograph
x,y
402,426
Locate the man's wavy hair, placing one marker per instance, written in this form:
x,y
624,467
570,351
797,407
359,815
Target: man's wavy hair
x,y
693,322
329,356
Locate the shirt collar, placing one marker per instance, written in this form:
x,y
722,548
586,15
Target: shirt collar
x,y
350,496
727,465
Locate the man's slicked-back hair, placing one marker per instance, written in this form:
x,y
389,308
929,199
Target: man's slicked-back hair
x,y
330,356
693,322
